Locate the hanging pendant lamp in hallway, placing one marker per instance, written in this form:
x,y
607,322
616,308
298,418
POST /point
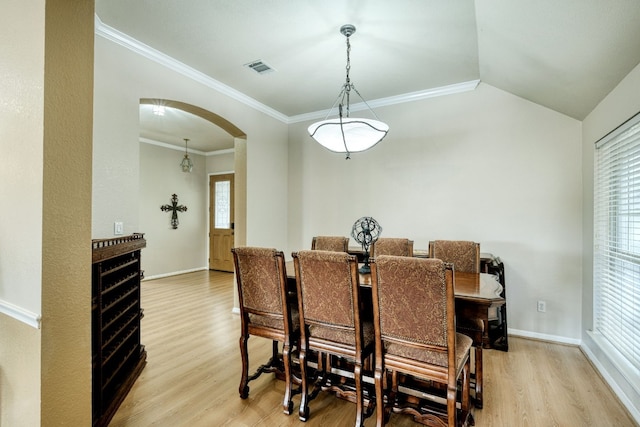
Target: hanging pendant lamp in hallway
x,y
187,163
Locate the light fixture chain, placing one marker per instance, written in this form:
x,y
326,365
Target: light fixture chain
x,y
348,84
348,67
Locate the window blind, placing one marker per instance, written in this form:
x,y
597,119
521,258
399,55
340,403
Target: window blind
x,y
617,240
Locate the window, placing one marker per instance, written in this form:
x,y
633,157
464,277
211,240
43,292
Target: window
x,y
617,241
223,204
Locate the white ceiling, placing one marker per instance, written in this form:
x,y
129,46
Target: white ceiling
x,y
562,54
176,125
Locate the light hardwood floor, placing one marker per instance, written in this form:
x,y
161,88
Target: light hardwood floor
x,y
193,370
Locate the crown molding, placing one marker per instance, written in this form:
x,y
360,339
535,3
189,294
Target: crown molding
x,y
221,152
392,100
148,52
191,150
140,48
170,146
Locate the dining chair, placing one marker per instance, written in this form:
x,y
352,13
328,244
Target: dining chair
x,y
392,246
330,243
465,256
415,332
331,326
265,311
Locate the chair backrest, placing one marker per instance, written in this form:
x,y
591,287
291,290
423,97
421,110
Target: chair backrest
x,y
330,243
414,305
328,290
463,254
262,280
392,246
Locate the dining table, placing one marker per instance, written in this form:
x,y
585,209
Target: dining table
x,y
476,294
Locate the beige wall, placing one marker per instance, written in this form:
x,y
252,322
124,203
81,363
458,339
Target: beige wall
x,y
482,165
168,250
21,137
240,181
19,373
185,249
218,163
66,230
122,78
21,134
45,257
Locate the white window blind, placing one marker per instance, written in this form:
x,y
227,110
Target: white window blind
x,y
617,240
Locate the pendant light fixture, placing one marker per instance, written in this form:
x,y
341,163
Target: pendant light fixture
x,y
186,164
345,134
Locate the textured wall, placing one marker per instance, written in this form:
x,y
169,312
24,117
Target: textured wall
x,y
45,255
21,116
66,214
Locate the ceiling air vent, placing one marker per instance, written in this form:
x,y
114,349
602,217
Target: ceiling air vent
x,y
260,67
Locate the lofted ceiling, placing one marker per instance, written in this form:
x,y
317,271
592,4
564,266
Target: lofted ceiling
x,y
566,55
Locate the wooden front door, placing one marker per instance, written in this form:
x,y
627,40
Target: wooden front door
x,y
221,222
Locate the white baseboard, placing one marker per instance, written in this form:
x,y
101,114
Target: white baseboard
x,y
25,316
612,366
629,405
544,337
173,273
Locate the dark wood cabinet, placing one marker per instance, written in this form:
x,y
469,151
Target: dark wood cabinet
x,y
497,326
118,357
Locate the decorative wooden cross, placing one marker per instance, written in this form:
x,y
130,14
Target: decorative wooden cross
x,y
174,208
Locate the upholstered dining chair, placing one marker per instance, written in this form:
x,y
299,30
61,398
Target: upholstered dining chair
x,y
331,325
392,246
265,312
414,322
330,243
465,256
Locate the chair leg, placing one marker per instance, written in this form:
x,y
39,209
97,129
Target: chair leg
x,y
478,401
244,378
287,405
465,404
379,386
303,411
452,393
357,376
393,392
466,391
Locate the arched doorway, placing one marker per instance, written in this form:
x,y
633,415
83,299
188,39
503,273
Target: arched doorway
x,y
171,136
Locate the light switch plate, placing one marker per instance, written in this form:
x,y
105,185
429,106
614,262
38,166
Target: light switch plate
x,y
118,228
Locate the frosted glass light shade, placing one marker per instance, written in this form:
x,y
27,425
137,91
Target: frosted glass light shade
x,y
186,164
348,135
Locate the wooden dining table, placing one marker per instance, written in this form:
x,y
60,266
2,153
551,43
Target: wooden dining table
x,y
476,294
